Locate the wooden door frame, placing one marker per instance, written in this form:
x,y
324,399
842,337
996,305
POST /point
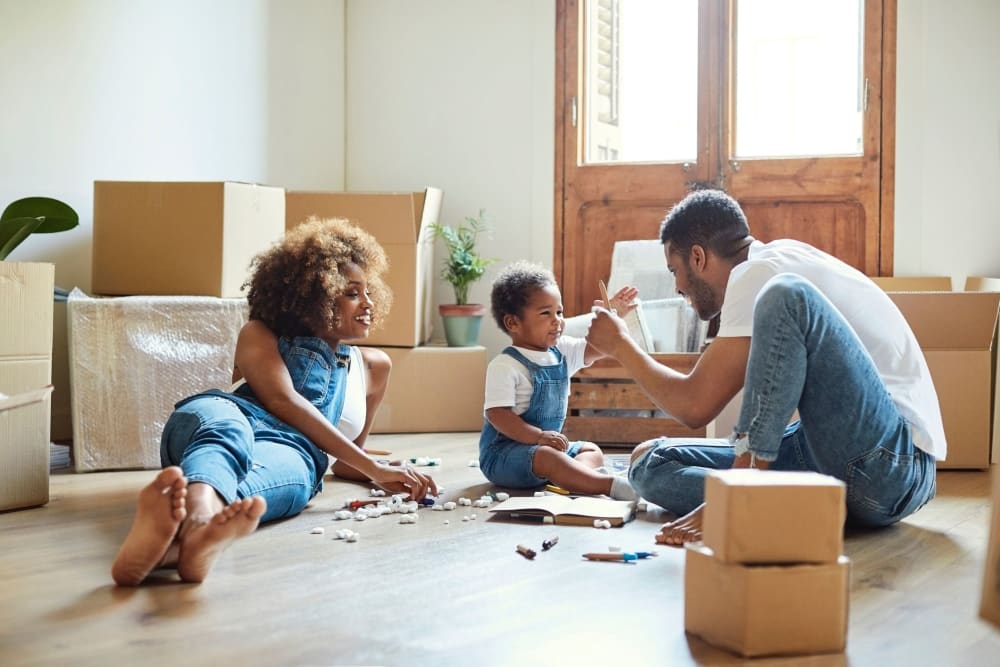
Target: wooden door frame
x,y
886,92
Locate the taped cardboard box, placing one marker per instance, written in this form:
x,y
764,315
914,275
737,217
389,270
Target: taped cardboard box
x,y
957,332
131,359
756,610
767,516
24,443
432,389
400,222
165,238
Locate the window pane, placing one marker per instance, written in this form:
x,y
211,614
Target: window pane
x,y
799,83
640,81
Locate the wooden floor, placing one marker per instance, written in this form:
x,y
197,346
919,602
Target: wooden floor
x,y
450,594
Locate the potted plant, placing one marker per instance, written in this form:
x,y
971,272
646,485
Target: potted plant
x,y
463,266
30,215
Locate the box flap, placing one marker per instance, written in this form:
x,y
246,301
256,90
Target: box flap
x,y
392,217
982,284
913,283
950,320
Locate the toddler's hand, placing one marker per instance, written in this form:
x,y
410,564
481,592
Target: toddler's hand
x,y
553,439
623,301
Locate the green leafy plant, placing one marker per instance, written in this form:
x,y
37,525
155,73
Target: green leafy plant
x,y
30,215
463,265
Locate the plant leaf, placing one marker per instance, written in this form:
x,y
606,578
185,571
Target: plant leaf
x,y
15,230
56,216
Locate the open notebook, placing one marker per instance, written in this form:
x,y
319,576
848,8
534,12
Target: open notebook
x,y
567,510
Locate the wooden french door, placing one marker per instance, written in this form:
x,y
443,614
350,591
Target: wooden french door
x,y
735,94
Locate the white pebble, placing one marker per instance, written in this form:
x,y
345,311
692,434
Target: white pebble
x,y
465,518
339,515
482,502
344,533
539,494
450,505
378,492
437,508
353,537
317,531
446,522
602,523
360,516
464,501
472,517
473,463
502,496
408,518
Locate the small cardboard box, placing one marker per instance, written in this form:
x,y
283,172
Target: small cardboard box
x,y
400,222
957,332
132,358
155,238
26,311
432,389
989,602
756,610
767,516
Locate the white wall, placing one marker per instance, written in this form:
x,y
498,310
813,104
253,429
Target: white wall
x,y
948,139
458,95
149,90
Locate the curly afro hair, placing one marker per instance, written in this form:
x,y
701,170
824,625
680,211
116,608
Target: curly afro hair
x,y
294,284
514,286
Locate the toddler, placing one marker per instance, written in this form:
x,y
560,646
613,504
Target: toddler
x,y
527,390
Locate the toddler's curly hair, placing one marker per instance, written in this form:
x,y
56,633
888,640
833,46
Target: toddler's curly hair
x,y
294,283
514,285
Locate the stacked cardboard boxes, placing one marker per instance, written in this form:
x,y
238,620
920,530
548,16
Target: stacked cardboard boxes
x,y
424,377
180,252
769,577
25,376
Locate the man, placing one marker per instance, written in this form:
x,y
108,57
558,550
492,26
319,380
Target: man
x,y
799,330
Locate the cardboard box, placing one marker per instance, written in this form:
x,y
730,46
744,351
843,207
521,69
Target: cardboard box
x,y
756,610
434,389
155,238
767,516
913,283
131,359
957,332
26,314
400,222
989,601
24,445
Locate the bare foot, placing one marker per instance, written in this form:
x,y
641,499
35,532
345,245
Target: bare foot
x,y
158,514
201,544
685,529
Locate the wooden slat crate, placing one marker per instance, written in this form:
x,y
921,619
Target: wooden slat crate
x,y
605,386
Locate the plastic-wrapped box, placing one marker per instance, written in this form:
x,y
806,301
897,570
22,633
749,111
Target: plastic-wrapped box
x,y
131,359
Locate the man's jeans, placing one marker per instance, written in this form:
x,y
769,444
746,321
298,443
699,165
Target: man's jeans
x,y
804,355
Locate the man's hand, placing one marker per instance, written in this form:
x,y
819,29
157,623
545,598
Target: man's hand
x,y
553,439
607,332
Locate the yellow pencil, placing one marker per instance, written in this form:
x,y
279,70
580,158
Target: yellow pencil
x,y
604,294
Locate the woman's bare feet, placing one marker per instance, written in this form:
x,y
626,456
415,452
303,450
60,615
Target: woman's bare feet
x,y
203,542
685,529
159,512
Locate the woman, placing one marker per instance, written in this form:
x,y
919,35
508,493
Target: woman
x,y
259,452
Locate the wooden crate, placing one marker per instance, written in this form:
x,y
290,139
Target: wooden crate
x,y
606,386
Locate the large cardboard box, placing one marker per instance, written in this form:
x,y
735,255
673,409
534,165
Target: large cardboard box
x,y
756,610
957,332
767,516
153,238
432,389
400,222
24,448
25,366
131,359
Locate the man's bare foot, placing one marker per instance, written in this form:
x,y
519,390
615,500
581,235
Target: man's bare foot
x,y
158,514
685,529
201,544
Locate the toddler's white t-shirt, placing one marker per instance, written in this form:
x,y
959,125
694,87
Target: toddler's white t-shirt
x,y
508,381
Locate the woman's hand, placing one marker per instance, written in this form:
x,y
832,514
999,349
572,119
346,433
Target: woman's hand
x,y
553,439
403,478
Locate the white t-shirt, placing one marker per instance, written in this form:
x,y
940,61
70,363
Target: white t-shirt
x,y
508,381
866,307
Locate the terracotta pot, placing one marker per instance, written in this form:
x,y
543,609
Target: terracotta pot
x,y
461,323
